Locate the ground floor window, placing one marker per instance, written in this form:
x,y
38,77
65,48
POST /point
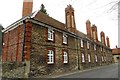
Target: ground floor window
x,y
89,59
83,57
96,58
50,56
102,58
65,56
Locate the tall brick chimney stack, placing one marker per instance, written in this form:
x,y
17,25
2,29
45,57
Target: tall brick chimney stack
x,y
27,7
102,35
70,18
94,33
88,29
108,42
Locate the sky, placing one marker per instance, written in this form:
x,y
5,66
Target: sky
x,y
97,11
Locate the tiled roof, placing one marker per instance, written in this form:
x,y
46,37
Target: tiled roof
x,y
55,23
49,20
80,34
116,51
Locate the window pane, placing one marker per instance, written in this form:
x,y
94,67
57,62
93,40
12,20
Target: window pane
x,y
65,56
96,58
50,56
89,58
64,38
83,59
81,43
50,34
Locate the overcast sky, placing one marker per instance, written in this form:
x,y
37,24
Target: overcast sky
x,y
97,11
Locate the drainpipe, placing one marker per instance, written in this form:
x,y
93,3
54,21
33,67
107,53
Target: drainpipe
x,y
24,24
78,53
23,60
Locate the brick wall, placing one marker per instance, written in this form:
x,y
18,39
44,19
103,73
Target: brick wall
x,y
12,48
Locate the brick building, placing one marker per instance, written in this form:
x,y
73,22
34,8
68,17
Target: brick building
x,y
116,54
1,38
38,45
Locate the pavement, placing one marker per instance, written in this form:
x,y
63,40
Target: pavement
x,y
108,71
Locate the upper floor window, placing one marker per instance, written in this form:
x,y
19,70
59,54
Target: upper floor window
x,y
83,57
65,39
89,59
101,48
50,56
88,45
81,43
50,35
94,47
65,57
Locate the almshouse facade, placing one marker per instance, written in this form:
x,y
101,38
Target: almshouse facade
x,y
38,45
116,54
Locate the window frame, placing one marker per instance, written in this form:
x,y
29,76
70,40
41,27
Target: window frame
x,y
82,43
89,57
65,37
96,58
88,45
65,57
51,32
47,56
95,47
102,59
82,57
101,49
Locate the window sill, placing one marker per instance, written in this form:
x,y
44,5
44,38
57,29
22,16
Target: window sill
x,y
50,63
64,43
50,41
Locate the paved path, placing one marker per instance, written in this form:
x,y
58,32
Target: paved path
x,y
110,71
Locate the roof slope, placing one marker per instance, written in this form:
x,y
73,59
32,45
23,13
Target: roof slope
x,y
49,20
39,16
116,51
55,23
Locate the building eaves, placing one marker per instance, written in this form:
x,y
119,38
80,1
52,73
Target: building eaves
x,y
18,22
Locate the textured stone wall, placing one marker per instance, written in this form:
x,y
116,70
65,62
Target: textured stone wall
x,y
39,45
13,70
36,45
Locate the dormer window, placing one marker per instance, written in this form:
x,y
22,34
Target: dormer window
x,y
65,39
50,35
81,43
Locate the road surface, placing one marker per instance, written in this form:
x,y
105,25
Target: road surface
x,y
110,71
